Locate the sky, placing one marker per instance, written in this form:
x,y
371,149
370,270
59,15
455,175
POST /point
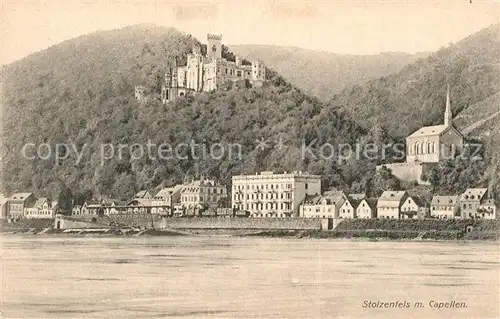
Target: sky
x,y
346,27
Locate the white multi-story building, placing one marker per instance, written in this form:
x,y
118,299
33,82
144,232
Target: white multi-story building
x,y
202,194
273,195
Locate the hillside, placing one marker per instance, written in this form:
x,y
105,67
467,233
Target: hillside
x,y
415,96
323,74
81,93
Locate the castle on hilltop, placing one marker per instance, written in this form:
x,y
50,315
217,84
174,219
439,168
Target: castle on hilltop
x,y
208,73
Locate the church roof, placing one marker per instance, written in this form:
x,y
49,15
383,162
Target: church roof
x,y
430,131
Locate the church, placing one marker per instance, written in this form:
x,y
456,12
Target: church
x,y
432,144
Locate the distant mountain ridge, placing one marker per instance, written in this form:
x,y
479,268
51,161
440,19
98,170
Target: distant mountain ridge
x,y
415,96
81,92
322,73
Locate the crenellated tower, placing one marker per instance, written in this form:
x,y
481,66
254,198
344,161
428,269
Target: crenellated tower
x,y
214,46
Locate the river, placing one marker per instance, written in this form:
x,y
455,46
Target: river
x,y
235,277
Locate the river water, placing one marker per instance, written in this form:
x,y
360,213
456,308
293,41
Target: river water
x,y
233,277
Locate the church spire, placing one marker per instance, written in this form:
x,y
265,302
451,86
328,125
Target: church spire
x,y
448,116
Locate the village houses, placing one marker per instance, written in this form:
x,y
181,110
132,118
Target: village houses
x,y
470,201
348,208
446,207
389,204
322,206
367,208
17,203
41,208
414,207
166,197
202,194
487,209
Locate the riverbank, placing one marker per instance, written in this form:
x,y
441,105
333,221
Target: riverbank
x,y
378,235
86,232
401,229
372,229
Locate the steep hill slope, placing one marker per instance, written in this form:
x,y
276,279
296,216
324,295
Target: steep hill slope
x,y
323,73
81,93
475,118
415,96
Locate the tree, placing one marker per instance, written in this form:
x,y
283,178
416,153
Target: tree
x,y
65,198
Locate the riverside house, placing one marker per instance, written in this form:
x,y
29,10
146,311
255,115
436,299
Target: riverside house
x,y
470,201
166,197
201,194
322,206
487,209
42,208
414,207
112,204
348,208
389,204
17,203
91,207
367,208
445,206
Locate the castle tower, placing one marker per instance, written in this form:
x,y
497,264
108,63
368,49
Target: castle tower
x,y
168,76
448,116
214,46
174,74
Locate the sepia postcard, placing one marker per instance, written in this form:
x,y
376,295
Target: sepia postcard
x,y
250,159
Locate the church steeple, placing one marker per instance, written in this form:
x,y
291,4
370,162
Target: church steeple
x,y
448,116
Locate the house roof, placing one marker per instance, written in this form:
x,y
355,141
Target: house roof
x,y
312,199
444,200
141,194
113,201
359,196
420,201
354,202
139,202
331,197
430,131
166,191
391,198
334,197
371,202
488,202
40,201
93,203
20,196
473,194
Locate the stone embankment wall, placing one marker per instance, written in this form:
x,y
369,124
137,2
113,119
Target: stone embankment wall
x,y
150,221
242,223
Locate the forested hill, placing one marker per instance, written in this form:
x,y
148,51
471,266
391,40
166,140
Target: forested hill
x,y
415,96
81,92
323,74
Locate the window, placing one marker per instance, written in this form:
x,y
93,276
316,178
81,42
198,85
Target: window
x,y
306,185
